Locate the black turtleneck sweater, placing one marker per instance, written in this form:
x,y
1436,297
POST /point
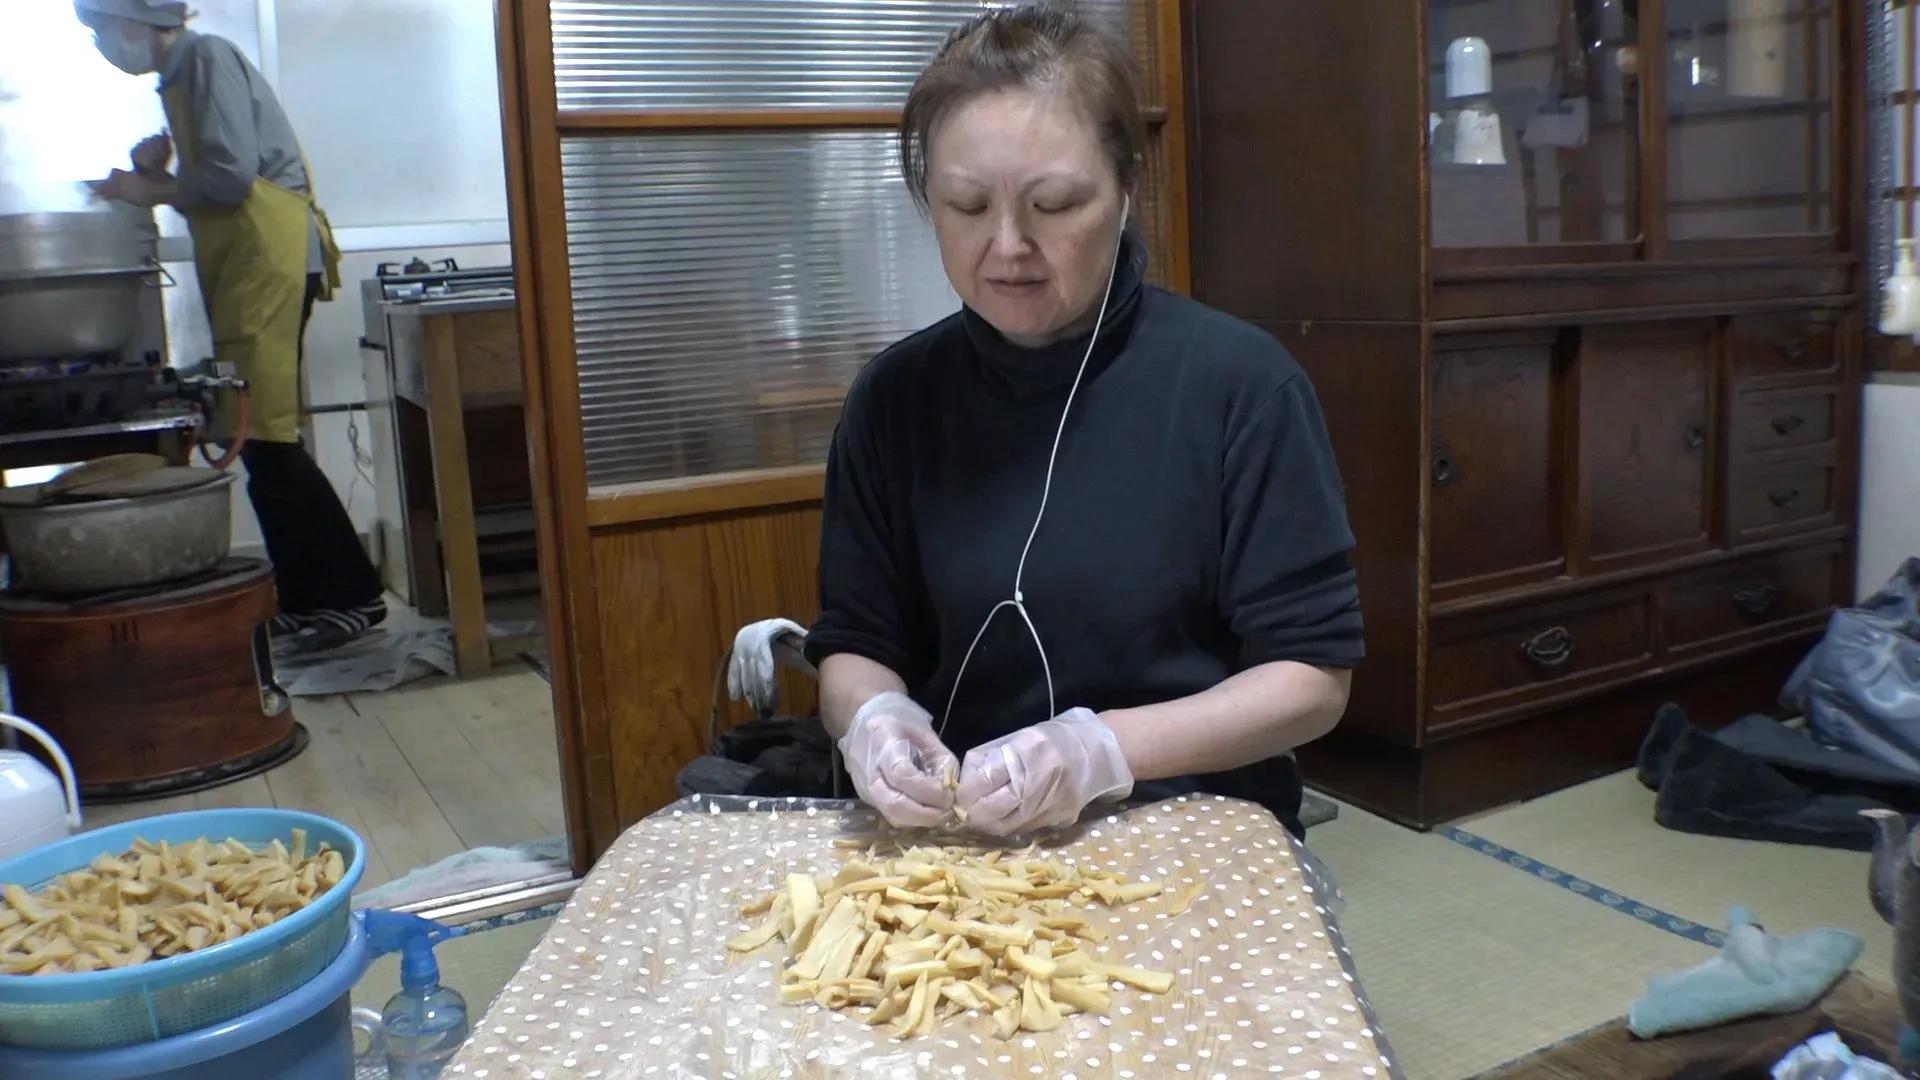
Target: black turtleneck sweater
x,y
1196,526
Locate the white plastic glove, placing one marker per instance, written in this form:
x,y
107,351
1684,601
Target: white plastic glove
x,y
1043,776
750,672
899,766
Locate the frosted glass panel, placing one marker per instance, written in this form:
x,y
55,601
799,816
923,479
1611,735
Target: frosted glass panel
x,y
726,289
738,54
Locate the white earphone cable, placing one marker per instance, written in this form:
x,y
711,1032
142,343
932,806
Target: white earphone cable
x,y
1019,601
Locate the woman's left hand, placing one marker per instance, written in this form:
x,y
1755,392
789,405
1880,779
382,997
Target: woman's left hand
x,y
138,189
1042,776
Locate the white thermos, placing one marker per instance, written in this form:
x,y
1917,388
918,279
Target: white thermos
x,y
32,810
1900,296
1477,138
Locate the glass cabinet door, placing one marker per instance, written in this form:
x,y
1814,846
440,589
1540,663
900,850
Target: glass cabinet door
x,y
1533,123
1749,118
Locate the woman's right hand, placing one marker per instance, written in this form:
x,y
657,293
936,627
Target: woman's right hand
x,y
899,766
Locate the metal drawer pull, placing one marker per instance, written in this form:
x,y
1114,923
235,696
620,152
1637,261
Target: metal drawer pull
x,y
1550,648
1795,350
1696,436
1442,467
1782,498
1757,602
1788,423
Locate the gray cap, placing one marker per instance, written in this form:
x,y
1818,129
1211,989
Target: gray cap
x,y
165,14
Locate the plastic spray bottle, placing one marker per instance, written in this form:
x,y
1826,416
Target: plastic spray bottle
x,y
424,1024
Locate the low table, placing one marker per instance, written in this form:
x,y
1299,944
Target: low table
x,y
633,978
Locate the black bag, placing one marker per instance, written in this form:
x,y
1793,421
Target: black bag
x,y
780,756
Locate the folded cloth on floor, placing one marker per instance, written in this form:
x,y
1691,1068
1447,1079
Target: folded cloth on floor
x,y
1825,1057
1754,973
465,871
1758,779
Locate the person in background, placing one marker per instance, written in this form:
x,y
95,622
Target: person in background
x,y
1190,576
264,254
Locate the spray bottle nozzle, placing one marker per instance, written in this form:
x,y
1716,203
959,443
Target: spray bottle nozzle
x,y
411,936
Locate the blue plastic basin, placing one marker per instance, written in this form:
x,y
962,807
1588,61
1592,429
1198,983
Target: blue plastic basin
x,y
305,1035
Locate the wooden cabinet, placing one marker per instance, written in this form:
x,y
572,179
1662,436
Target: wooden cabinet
x,y
1587,333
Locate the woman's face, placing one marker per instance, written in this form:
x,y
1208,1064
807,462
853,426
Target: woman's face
x,y
129,45
1027,211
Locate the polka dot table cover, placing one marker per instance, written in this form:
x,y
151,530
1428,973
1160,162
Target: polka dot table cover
x,y
633,979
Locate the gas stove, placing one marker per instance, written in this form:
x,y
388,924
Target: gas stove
x,y
396,417
418,280
54,394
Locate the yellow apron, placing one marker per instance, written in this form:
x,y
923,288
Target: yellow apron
x,y
252,263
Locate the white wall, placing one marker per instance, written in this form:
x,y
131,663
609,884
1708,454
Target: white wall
x,y
397,103
66,115
1889,477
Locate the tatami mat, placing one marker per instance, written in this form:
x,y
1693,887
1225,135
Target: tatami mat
x,y
1604,831
1471,963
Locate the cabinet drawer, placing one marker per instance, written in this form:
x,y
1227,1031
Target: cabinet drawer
x,y
1745,597
1782,344
1486,660
1783,419
1781,497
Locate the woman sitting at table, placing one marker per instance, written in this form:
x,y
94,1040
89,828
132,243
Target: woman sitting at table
x,y
1113,510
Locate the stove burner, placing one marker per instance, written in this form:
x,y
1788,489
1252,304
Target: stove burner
x,y
73,393
441,279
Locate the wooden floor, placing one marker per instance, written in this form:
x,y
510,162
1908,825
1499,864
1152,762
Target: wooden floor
x,y
433,768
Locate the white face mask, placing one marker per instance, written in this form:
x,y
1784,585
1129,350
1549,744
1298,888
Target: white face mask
x,y
129,46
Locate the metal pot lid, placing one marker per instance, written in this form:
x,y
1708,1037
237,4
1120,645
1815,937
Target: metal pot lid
x,y
162,481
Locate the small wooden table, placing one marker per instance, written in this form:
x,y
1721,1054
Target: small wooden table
x,y
1864,1014
457,359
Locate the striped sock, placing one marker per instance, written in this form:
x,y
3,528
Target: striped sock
x,y
349,622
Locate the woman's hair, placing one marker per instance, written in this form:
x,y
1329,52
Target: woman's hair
x,y
1037,47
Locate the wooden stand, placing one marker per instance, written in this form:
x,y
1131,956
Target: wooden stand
x,y
464,378
155,690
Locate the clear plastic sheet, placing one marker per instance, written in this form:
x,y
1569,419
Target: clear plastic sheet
x,y
634,981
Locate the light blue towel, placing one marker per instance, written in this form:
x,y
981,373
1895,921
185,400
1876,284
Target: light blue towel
x,y
1754,973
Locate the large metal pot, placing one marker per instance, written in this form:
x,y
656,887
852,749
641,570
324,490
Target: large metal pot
x,y
70,283
83,547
